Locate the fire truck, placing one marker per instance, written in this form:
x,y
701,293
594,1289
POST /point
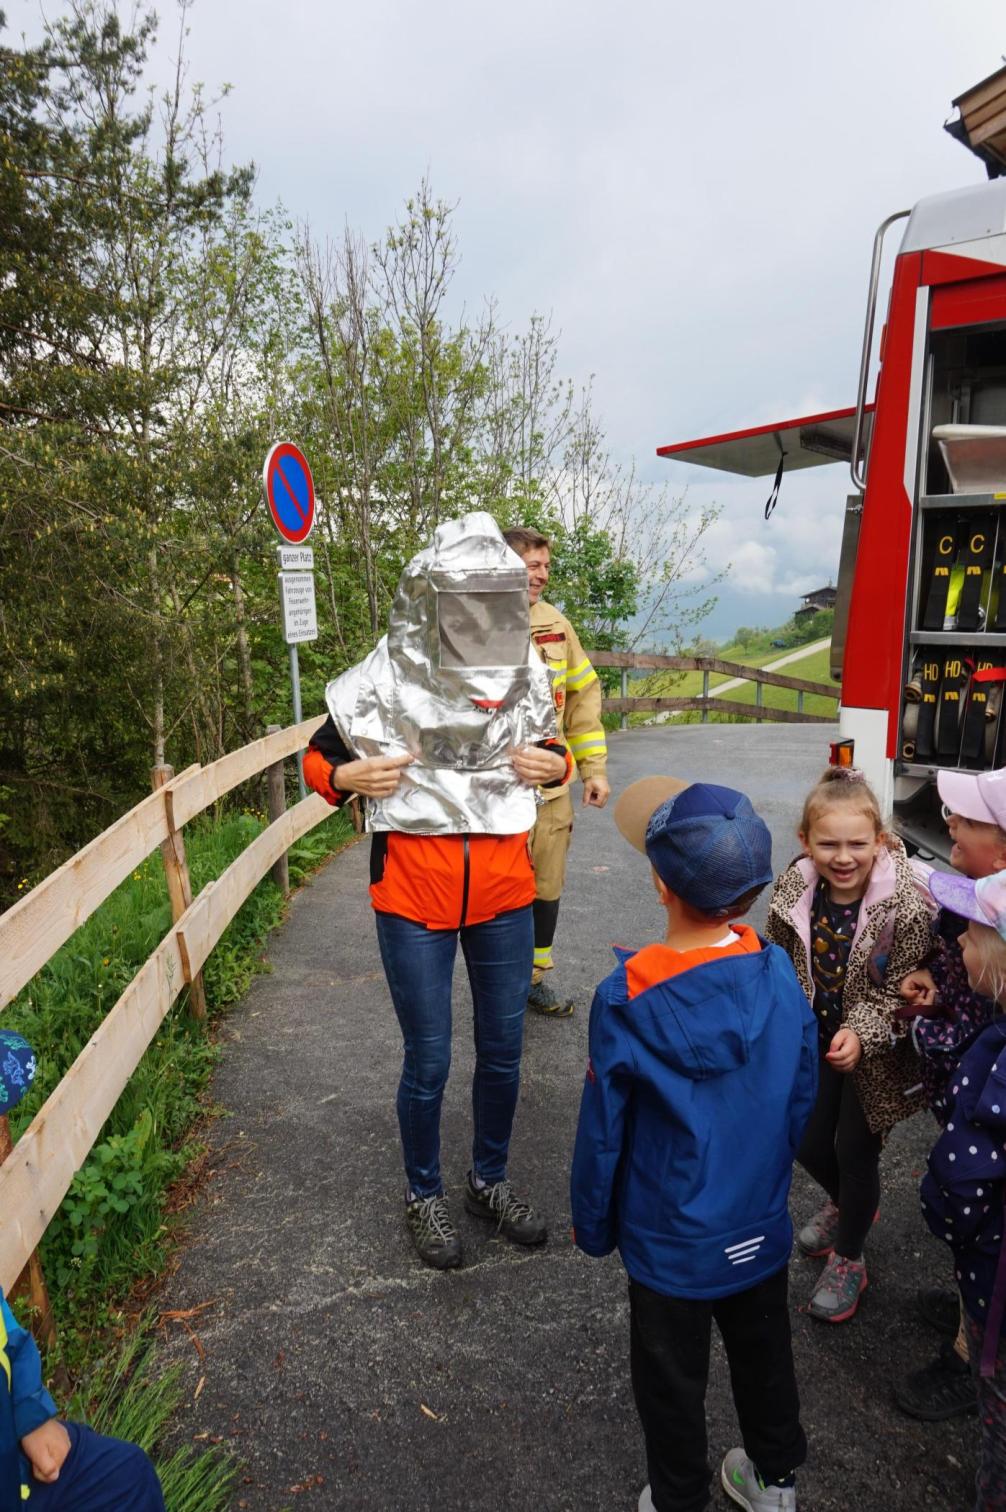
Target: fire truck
x,y
920,621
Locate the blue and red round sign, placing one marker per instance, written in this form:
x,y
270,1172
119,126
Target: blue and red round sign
x,y
289,492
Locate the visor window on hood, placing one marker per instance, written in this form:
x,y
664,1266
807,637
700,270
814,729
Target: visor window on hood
x,y
483,629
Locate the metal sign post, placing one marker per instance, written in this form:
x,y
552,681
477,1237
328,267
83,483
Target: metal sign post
x,y
300,623
289,492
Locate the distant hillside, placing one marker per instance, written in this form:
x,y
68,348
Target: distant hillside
x,y
752,648
760,644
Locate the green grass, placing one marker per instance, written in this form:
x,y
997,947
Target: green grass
x,y
813,668
126,1397
111,1230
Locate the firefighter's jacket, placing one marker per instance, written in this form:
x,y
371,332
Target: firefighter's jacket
x,y
576,693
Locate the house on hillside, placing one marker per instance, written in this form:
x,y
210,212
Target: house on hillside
x,y
814,602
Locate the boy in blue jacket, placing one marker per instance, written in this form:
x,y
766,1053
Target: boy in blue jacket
x,y
47,1465
702,1074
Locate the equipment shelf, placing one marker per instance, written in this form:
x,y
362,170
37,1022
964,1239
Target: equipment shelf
x,y
963,501
958,637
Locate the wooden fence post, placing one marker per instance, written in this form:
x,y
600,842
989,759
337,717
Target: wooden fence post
x,y
31,1280
758,688
705,696
799,701
624,686
176,871
277,806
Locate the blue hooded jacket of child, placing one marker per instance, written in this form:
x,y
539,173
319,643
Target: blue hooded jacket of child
x,y
24,1405
697,1093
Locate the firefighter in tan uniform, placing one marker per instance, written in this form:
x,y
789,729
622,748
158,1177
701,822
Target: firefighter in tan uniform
x,y
576,693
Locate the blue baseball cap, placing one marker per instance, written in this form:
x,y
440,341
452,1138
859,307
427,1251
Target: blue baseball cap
x,y
708,846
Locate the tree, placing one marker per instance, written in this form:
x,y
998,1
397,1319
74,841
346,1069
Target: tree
x,y
629,566
128,321
157,332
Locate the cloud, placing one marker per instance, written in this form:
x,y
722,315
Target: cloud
x,y
696,214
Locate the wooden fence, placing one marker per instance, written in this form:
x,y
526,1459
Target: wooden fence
x,y
37,1171
627,661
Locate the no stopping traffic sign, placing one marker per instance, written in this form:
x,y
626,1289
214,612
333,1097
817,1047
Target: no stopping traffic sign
x,y
289,491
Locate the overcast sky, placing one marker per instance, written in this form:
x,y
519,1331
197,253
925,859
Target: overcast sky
x,y
691,190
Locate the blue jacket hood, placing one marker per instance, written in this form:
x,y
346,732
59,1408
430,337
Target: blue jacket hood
x,y
706,1021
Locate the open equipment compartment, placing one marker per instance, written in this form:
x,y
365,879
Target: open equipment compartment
x,y
955,641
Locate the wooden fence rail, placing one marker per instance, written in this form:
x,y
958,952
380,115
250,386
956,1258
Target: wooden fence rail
x,y
708,702
33,930
38,1170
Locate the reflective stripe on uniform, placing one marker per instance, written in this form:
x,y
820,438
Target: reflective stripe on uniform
x,y
580,676
4,1356
591,743
542,957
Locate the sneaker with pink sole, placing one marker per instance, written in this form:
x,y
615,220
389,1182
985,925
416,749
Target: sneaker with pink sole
x,y
838,1290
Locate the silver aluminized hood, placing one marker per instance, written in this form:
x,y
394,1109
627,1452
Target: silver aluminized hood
x,y
456,684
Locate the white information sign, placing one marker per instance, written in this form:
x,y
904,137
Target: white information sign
x,y
300,618
295,558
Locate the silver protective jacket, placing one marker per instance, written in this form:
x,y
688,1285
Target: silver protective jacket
x,y
454,683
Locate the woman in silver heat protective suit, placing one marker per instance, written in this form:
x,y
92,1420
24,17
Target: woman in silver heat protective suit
x,y
446,728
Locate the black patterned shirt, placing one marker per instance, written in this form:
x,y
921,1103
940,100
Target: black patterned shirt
x,y
832,926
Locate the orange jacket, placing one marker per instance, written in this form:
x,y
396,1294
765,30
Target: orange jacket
x,y
442,881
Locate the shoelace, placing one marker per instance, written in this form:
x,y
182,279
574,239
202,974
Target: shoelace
x,y
434,1219
503,1202
842,1271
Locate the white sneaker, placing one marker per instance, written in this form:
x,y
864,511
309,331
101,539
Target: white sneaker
x,y
741,1483
646,1501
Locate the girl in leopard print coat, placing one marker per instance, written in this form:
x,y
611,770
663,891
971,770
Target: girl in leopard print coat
x,y
850,917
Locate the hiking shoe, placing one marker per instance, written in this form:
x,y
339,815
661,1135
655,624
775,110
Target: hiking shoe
x,y
838,1290
743,1484
817,1237
514,1219
541,999
942,1389
940,1308
432,1232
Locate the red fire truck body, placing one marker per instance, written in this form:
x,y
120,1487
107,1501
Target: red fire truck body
x,y
920,625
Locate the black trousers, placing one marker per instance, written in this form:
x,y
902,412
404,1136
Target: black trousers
x,y
842,1155
670,1368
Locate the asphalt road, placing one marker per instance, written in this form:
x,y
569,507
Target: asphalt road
x,y
346,1375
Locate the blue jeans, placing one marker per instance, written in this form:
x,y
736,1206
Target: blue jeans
x,y
419,966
